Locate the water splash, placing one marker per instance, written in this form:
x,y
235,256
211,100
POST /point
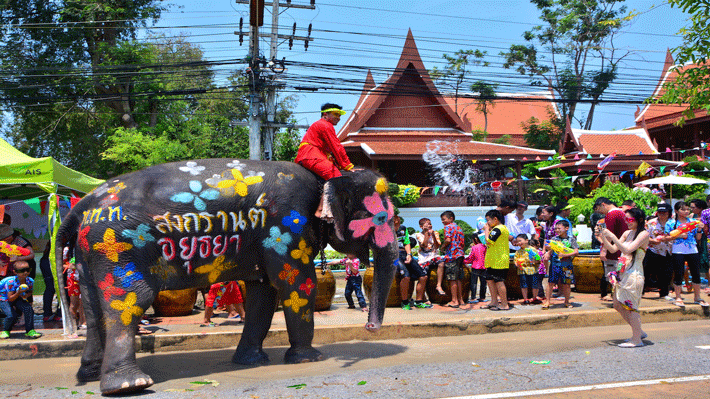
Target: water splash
x,y
449,168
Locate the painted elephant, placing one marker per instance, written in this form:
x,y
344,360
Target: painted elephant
x,y
191,224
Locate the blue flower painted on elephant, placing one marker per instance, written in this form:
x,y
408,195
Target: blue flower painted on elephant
x,y
140,235
295,221
128,274
277,241
196,196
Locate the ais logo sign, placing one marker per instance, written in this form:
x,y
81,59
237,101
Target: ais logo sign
x,y
33,172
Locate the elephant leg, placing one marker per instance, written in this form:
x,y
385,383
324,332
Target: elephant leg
x,y
298,295
259,311
92,357
119,372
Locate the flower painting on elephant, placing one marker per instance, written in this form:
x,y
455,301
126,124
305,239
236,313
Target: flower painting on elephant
x,y
192,224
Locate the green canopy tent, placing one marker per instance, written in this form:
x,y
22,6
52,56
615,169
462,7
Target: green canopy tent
x,y
23,177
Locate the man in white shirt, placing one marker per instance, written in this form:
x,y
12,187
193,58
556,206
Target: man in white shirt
x,y
517,223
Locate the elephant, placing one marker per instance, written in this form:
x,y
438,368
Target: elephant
x,y
191,224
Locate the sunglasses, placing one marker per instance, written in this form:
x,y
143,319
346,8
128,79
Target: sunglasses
x,y
25,270
629,220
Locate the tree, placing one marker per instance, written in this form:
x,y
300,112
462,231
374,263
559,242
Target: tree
x,y
545,135
690,88
485,100
572,32
455,72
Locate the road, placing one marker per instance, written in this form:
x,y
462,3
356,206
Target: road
x,y
474,366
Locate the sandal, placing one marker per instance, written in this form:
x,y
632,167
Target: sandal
x,y
701,303
440,291
569,305
545,306
679,303
210,324
143,331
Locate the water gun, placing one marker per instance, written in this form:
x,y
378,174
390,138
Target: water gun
x,y
684,228
559,248
13,250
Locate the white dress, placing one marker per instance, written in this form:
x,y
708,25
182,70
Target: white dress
x,y
629,287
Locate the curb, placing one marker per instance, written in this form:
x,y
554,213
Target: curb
x,y
324,335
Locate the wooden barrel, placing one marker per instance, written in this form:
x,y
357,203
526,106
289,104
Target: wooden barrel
x,y
512,282
326,289
435,297
393,300
588,271
175,303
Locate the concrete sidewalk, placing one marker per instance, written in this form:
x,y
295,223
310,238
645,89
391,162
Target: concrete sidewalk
x,y
341,324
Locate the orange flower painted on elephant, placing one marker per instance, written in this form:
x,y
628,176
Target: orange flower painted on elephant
x,y
308,286
128,308
214,269
110,247
108,288
303,252
289,274
83,242
295,302
236,183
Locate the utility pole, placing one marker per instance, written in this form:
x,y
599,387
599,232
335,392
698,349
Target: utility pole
x,y
256,81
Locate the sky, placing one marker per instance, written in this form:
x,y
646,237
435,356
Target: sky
x,y
354,36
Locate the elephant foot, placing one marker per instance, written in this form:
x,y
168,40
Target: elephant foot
x,y
120,383
89,372
303,355
250,357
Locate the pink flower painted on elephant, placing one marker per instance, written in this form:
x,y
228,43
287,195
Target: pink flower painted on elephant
x,y
382,231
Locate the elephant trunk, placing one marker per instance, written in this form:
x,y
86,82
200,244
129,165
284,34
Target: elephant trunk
x,y
382,281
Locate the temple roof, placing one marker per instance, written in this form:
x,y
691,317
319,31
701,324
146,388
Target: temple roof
x,y
623,142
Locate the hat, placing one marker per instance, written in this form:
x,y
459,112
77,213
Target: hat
x,y
6,231
663,207
522,203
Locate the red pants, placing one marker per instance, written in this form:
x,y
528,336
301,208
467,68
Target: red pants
x,y
223,294
322,167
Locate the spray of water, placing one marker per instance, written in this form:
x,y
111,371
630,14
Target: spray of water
x,y
448,166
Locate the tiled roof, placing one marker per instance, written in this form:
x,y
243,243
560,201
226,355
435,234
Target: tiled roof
x,y
623,142
507,114
413,149
660,115
616,164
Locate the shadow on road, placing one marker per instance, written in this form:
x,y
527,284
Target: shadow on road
x,y
176,365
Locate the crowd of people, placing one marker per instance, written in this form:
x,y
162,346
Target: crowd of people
x,y
544,246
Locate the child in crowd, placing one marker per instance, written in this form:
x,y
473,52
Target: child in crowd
x,y
76,309
561,270
476,259
224,294
16,299
497,260
542,271
353,280
527,260
453,257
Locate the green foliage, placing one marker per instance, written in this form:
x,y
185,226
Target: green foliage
x,y
454,73
533,169
694,190
504,139
407,194
286,145
485,100
479,135
545,135
618,193
573,31
690,88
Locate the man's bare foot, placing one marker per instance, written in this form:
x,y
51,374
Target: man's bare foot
x,y
364,310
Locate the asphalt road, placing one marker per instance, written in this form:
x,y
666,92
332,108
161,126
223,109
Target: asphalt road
x,y
462,366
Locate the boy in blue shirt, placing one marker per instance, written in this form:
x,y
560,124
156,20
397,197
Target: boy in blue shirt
x,y
16,299
561,269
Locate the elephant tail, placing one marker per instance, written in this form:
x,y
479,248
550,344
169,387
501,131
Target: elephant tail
x,y
66,235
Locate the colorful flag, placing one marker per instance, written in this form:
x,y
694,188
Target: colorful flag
x,y
605,162
642,169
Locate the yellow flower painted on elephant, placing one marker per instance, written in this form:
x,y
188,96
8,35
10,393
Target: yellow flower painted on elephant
x,y
289,273
117,188
295,302
110,247
236,183
303,252
381,185
128,308
214,269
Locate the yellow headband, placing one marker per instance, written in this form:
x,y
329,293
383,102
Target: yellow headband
x,y
338,110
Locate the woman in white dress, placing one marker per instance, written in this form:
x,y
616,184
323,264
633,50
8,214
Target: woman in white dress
x,y
628,278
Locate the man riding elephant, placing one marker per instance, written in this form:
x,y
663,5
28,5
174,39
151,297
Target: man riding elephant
x,y
192,224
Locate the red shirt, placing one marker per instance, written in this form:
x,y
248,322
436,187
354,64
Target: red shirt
x,y
615,221
320,142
